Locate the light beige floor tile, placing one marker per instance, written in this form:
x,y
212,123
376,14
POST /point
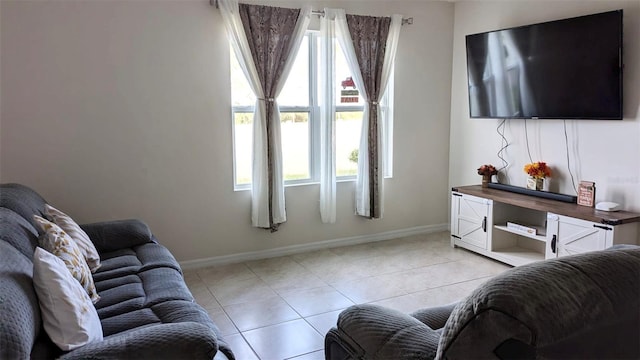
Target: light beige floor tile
x,y
315,301
223,322
240,348
448,273
284,340
344,271
199,290
490,266
324,322
439,296
191,276
242,291
407,260
316,355
394,246
386,264
317,258
205,298
223,274
288,281
471,285
370,289
273,265
355,252
256,314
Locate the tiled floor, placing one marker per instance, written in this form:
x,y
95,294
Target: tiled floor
x,y
280,308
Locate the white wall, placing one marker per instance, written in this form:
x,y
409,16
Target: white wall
x,y
607,152
121,109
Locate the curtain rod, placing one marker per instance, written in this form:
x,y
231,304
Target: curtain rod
x,y
405,21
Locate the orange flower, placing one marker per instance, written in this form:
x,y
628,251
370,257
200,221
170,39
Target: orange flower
x,y
538,170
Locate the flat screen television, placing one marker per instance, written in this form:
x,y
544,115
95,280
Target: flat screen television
x,y
564,69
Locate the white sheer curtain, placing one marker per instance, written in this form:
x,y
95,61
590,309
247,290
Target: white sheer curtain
x,y
266,211
327,101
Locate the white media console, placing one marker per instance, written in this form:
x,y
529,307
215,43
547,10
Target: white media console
x,y
501,225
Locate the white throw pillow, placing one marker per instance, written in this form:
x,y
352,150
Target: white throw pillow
x,y
69,317
77,234
60,244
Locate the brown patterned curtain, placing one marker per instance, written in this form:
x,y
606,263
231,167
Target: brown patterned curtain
x,y
269,32
369,35
271,36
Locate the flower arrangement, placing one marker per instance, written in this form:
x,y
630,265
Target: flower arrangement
x,y
487,170
538,170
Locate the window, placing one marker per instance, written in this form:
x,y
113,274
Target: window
x,y
299,120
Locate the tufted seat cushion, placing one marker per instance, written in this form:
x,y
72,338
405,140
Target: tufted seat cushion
x,y
132,281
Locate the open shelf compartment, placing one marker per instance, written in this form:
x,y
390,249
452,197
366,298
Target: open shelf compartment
x,y
515,246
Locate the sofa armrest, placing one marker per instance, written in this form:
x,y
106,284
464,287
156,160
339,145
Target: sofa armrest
x,y
187,340
435,317
375,332
114,235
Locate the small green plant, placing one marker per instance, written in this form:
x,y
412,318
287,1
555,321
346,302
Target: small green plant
x,y
353,157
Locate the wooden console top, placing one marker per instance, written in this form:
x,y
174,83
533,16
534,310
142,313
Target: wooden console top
x,y
553,206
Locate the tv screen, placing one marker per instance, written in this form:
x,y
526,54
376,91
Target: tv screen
x,y
564,69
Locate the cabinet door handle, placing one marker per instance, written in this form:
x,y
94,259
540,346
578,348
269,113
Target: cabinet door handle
x,y
602,227
484,224
554,241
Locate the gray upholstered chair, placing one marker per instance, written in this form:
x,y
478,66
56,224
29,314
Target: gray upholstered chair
x,y
575,307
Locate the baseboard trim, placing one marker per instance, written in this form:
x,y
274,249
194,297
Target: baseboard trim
x,y
319,245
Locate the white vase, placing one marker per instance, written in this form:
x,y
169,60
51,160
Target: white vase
x,y
535,183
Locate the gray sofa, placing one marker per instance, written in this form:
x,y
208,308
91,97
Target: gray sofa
x,y
146,309
583,306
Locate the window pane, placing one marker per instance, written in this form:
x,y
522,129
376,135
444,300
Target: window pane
x,y
295,145
296,90
243,130
348,127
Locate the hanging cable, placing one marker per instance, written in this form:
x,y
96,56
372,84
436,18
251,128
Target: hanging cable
x,y
504,143
526,135
566,143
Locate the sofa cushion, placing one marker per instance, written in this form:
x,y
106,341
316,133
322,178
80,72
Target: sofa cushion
x,y
68,313
78,235
20,320
57,242
133,260
134,282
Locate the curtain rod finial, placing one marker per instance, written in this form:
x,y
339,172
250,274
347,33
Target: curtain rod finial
x,y
407,21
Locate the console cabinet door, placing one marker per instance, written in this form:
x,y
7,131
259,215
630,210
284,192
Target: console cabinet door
x,y
470,219
568,236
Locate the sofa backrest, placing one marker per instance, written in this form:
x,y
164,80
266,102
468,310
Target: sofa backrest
x,y
578,306
22,200
20,321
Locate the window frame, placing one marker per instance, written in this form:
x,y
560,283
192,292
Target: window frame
x,y
314,124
